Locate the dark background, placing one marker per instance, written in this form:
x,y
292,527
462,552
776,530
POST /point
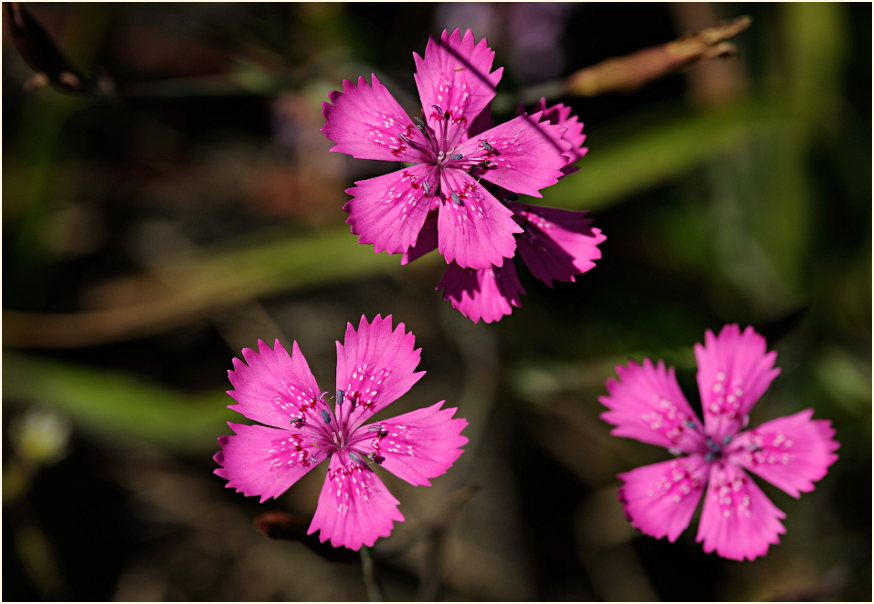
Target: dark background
x,y
187,206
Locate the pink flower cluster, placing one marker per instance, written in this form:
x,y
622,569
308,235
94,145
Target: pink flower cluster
x,y
458,192
738,520
375,366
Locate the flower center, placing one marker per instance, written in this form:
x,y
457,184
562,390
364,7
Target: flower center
x,y
715,451
339,439
440,140
326,429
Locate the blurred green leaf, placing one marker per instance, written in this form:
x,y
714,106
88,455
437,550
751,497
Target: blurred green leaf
x,y
118,406
217,279
847,379
653,156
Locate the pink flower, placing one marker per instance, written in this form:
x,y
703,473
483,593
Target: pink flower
x,y
375,366
738,521
556,245
449,153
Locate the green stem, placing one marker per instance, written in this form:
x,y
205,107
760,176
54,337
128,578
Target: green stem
x,y
368,572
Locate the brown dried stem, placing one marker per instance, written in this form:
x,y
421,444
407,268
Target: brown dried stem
x,y
633,71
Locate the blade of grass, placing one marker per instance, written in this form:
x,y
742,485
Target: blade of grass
x,y
119,406
216,281
658,154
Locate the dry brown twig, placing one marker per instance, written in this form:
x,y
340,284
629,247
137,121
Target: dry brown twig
x,y
633,71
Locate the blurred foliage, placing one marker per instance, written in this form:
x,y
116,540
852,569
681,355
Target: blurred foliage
x,y
186,205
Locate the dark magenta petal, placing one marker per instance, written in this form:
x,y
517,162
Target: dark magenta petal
x,y
486,293
557,244
426,242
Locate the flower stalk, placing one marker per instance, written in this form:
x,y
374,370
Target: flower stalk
x,y
368,573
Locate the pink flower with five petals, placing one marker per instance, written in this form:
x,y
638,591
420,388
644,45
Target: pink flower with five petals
x,y
738,520
375,366
449,155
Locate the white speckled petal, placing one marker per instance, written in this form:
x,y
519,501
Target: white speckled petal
x,y
355,508
646,404
473,228
455,75
738,520
789,452
524,155
417,445
375,367
258,460
274,388
734,370
367,122
390,210
660,499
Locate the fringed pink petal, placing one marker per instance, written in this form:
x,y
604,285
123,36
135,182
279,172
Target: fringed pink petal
x,y
418,445
367,122
738,521
426,242
258,460
557,244
454,80
560,115
661,498
375,366
789,452
646,404
474,229
734,370
487,293
389,211
355,508
273,388
522,155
